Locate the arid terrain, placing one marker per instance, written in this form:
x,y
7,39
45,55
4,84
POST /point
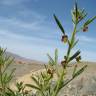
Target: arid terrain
x,y
85,84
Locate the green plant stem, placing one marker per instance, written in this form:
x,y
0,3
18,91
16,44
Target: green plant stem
x,y
1,77
1,81
57,71
71,42
42,93
66,83
68,54
58,84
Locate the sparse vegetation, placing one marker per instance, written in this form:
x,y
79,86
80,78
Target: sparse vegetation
x,y
54,78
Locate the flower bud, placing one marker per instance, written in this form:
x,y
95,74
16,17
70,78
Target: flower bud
x,y
78,58
65,57
1,89
26,91
64,38
85,29
50,71
79,18
63,63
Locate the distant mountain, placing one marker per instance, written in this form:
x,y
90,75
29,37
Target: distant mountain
x,y
15,56
23,59
23,66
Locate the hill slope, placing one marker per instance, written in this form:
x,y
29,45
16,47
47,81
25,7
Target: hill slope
x,y
23,66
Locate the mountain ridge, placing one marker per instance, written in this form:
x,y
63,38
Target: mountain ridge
x,y
21,58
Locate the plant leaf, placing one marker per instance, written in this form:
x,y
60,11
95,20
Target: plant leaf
x,y
73,18
33,86
74,56
75,43
59,24
11,92
76,10
82,15
35,80
51,61
79,72
89,21
56,56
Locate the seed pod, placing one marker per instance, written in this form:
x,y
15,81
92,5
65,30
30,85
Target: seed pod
x,y
63,63
1,89
65,57
26,91
79,18
78,58
50,71
85,29
64,38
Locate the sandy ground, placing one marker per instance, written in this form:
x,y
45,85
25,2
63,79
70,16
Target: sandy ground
x,y
26,79
23,73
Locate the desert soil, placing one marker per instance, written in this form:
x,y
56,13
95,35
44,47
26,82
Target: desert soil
x,y
86,79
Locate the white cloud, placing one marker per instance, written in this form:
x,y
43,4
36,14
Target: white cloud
x,y
14,2
38,27
86,39
11,2
32,14
32,48
29,34
18,23
21,38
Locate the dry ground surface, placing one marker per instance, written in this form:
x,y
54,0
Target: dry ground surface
x,y
84,84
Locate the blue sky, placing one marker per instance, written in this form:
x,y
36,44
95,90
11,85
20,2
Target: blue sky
x,y
27,28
